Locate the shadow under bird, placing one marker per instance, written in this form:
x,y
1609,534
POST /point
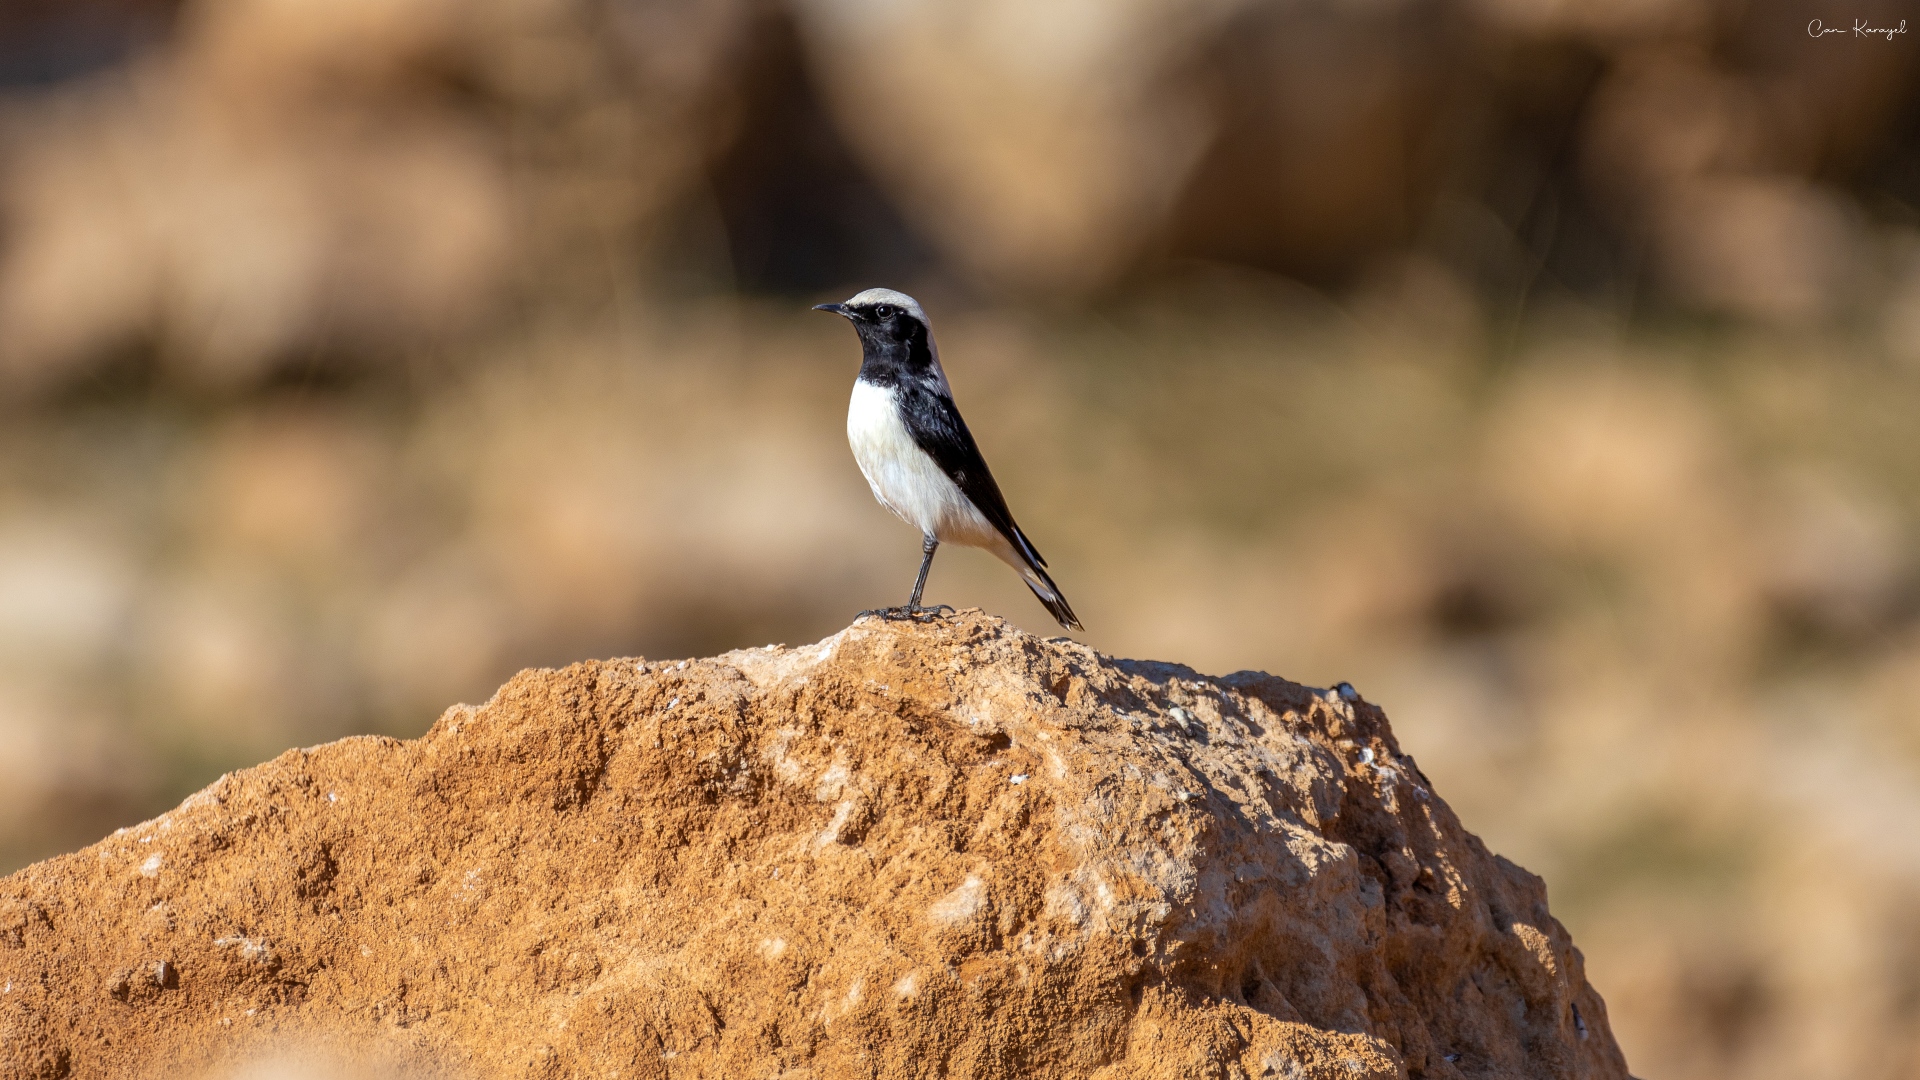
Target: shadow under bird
x,y
919,457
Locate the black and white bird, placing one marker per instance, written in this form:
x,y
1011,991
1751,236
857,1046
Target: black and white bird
x,y
919,457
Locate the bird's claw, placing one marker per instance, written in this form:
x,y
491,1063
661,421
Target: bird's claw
x,y
909,613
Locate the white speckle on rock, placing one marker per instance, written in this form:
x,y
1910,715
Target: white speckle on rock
x,y
1347,692
771,665
1064,902
773,948
784,766
331,797
832,782
257,950
906,986
960,905
151,866
672,703
841,815
1282,1068
1017,778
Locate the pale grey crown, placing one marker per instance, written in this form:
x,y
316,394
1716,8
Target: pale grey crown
x,y
888,296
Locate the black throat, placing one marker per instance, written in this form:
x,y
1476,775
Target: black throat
x,y
895,351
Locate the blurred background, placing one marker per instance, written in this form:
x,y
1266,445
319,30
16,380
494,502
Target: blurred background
x,y
1547,369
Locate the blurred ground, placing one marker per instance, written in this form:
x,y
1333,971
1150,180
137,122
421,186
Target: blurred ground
x,y
1561,360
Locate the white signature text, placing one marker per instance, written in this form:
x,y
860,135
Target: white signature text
x,y
1860,29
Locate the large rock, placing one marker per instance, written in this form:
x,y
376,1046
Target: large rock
x,y
906,851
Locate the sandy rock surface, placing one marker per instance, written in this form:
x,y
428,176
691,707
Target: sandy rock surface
x,y
906,851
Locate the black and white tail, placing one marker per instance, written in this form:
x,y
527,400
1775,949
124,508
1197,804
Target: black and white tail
x,y
1034,573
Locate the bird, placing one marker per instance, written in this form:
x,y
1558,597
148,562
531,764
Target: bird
x,y
918,456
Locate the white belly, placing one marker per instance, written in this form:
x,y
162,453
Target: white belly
x,y
905,479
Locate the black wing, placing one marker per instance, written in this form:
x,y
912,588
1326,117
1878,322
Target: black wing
x,y
935,424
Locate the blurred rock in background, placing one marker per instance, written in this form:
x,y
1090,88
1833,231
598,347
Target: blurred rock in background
x,y
290,182
1561,359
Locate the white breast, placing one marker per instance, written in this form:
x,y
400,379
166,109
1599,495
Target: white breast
x,y
904,478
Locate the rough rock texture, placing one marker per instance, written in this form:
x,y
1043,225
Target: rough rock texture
x,y
906,851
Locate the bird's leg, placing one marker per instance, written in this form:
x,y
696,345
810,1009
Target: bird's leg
x,y
928,545
913,610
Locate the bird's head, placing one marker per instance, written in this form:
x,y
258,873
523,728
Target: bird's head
x,y
883,317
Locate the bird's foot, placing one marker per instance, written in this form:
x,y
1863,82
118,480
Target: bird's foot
x,y
909,613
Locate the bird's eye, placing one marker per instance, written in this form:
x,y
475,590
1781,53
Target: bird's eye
x,y
883,311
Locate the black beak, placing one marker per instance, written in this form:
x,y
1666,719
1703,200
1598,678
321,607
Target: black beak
x,y
837,309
